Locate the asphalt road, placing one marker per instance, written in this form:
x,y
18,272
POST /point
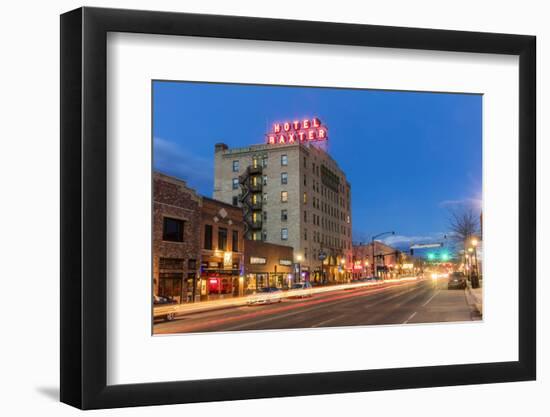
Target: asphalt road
x,y
397,303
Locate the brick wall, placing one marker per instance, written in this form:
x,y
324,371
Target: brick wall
x,y
172,198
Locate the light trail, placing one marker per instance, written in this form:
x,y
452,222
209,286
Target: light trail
x,y
287,307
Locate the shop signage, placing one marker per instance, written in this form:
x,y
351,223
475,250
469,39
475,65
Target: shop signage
x,y
306,130
254,260
285,262
227,260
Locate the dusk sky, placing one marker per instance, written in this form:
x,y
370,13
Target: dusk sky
x,y
410,157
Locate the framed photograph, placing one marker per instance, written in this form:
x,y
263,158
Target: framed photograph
x,y
257,208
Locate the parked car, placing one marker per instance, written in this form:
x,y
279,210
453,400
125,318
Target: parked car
x,y
301,290
160,301
457,280
268,295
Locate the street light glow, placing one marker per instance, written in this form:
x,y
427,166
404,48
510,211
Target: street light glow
x,y
474,242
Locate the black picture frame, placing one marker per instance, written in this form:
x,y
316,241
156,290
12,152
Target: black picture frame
x,y
84,207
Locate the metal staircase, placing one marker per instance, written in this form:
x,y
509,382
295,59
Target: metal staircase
x,y
251,199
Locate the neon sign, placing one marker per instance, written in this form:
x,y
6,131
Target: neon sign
x,y
307,130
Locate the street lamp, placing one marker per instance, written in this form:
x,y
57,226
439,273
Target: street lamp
x,y
297,269
372,242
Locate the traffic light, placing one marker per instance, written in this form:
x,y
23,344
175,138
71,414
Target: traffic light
x,y
431,256
444,256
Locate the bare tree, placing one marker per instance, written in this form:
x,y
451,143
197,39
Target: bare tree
x,y
463,224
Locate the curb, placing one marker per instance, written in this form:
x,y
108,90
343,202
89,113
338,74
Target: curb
x,y
473,300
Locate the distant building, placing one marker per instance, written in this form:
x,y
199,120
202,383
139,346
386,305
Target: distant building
x,y
387,260
176,242
294,194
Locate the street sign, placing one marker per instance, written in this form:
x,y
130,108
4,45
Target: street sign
x,y
427,245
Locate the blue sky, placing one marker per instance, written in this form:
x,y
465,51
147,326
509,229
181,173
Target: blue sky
x,y
410,157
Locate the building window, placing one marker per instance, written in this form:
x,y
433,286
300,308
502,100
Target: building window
x,y
305,162
265,197
305,216
264,235
235,200
284,215
235,241
264,180
172,230
265,216
284,160
284,196
264,161
284,178
235,166
222,238
305,180
284,234
207,236
171,263
305,234
305,198
235,183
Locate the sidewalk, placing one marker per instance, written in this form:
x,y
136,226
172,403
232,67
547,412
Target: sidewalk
x,y
475,296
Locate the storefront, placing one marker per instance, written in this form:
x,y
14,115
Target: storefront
x,y
267,265
220,277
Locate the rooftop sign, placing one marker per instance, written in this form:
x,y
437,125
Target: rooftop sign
x,y
307,130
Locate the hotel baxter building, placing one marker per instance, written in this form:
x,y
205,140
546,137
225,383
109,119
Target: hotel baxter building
x,y
292,193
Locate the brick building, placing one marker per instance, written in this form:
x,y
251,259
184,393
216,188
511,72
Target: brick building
x,y
222,248
176,242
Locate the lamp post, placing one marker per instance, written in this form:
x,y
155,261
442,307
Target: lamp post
x,y
474,242
372,242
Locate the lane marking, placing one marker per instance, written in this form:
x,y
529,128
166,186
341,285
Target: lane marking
x,y
329,320
410,318
431,298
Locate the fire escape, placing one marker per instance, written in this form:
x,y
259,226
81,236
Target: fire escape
x,y
251,199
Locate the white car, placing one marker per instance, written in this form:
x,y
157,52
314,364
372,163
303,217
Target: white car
x,y
301,290
267,295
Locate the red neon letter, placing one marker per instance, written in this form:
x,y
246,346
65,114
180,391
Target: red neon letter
x,y
291,137
286,127
276,128
296,124
322,134
271,139
305,124
311,134
316,122
302,136
282,138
